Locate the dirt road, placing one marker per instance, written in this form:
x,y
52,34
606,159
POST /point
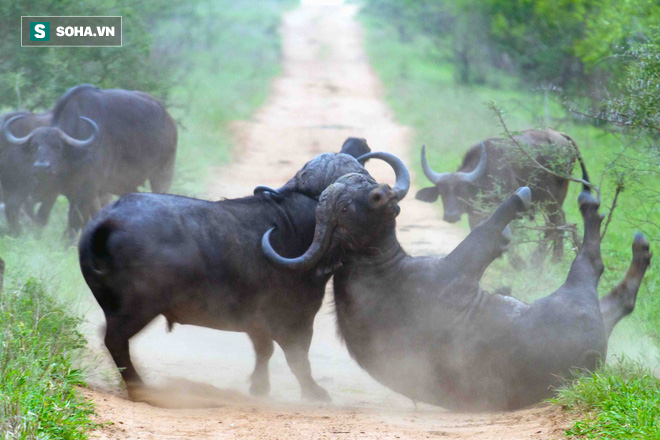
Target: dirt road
x,y
327,92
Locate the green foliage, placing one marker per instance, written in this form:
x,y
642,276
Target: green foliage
x,y
39,395
601,53
34,77
621,401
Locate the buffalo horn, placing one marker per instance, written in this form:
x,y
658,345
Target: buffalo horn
x,y
10,137
311,257
78,143
402,184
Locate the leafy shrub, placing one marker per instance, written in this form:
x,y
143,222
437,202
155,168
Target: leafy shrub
x,y
38,383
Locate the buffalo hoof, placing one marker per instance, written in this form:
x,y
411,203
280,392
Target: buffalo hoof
x,y
641,250
317,393
587,199
137,392
525,195
259,388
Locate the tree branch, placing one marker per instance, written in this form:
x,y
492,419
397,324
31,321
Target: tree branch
x,y
498,112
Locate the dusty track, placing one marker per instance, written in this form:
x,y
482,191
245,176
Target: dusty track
x,y
326,93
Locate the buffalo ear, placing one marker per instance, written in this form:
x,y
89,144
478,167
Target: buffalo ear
x,y
428,195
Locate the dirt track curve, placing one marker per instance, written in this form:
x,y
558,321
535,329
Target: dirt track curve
x,y
327,92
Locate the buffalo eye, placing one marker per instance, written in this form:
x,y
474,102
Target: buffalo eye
x,y
344,209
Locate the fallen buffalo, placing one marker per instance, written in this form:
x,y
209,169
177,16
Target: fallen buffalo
x,y
423,327
495,167
199,262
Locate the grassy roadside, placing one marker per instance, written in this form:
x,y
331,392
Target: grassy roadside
x,y
223,72
448,118
620,401
39,395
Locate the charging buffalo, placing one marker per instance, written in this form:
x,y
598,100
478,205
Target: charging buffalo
x,y
423,326
199,262
496,167
16,175
101,142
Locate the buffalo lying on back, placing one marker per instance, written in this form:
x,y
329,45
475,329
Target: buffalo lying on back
x,y
199,262
424,327
496,167
100,142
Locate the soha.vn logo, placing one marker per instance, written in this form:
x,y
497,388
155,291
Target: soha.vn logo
x,y
39,31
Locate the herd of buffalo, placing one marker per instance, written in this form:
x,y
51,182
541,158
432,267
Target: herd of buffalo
x,y
259,264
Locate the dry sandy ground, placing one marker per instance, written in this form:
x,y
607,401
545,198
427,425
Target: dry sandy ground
x,y
327,92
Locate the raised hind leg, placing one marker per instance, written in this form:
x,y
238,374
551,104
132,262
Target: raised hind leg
x,y
485,243
263,348
588,265
620,302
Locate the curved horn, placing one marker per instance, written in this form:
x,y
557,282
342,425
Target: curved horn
x,y
266,189
434,177
10,137
479,171
402,184
311,257
290,186
77,142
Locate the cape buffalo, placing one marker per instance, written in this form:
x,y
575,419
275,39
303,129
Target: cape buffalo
x,y
101,142
16,174
496,167
199,262
423,327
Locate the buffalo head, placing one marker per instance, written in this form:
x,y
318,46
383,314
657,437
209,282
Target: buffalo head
x,y
355,147
50,148
351,213
324,169
455,188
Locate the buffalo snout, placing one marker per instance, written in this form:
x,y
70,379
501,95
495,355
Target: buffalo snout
x,y
42,168
381,195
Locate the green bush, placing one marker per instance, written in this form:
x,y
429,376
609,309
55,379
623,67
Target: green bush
x,y
621,401
39,396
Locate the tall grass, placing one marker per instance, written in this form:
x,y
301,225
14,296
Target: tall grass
x,y
39,396
621,401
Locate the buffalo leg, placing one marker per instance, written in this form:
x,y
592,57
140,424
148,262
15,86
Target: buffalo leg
x,y
75,220
263,348
13,205
119,330
161,180
557,219
296,351
588,265
484,243
43,213
620,302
